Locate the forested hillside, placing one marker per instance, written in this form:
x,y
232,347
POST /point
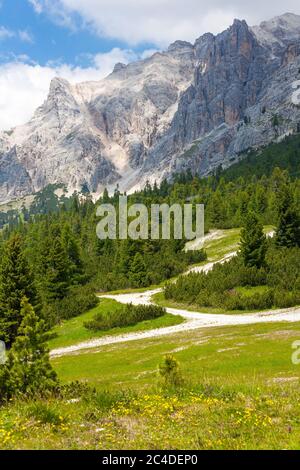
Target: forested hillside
x,y
53,264
68,263
255,167
284,155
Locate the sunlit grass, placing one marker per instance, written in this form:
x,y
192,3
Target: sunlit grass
x,y
73,331
241,391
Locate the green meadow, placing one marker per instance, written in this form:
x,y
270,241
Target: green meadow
x,y
240,391
73,331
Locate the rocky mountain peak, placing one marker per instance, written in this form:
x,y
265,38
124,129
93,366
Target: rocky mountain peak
x,y
192,106
60,102
241,39
287,24
119,66
179,45
181,50
239,24
59,87
279,31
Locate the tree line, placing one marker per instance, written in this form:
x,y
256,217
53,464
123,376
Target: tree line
x,y
52,263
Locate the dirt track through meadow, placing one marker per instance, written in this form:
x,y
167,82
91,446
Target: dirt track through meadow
x,y
193,320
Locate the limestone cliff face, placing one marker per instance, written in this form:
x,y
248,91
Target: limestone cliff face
x,y
193,106
243,80
227,81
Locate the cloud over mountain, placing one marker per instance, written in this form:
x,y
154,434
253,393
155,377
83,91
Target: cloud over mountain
x,y
24,85
159,21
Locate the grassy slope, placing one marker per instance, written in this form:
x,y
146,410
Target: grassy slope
x,y
242,391
216,250
159,299
73,331
285,155
249,353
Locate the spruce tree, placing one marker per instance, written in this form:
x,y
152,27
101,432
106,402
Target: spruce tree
x,y
123,257
253,242
28,369
16,281
105,196
217,209
288,227
138,272
57,268
71,248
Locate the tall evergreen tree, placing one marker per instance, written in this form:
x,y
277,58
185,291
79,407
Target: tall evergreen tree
x,y
28,369
216,206
125,254
105,196
288,228
71,247
253,245
138,271
57,268
16,281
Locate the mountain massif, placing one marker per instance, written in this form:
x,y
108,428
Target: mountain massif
x,y
194,106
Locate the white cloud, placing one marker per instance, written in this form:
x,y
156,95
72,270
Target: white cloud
x,y
24,86
36,5
5,33
161,21
56,10
25,36
105,62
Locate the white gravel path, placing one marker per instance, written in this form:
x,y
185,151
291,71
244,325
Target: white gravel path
x,y
193,320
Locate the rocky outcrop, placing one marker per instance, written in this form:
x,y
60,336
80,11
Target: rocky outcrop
x,y
194,106
241,98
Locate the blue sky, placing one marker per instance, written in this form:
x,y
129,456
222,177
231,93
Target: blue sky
x,y
83,39
44,39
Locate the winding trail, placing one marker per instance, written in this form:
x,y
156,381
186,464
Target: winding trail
x,y
193,320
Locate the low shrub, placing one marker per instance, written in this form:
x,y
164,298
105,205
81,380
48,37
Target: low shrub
x,y
45,414
78,301
217,288
255,301
285,299
251,276
105,400
170,372
75,390
127,316
204,298
195,256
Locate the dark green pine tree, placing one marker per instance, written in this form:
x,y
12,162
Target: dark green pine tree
x,y
288,227
216,209
28,369
125,253
71,247
105,196
138,272
57,269
253,245
16,281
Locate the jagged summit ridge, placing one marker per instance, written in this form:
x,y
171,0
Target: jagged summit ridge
x,y
193,106
281,30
